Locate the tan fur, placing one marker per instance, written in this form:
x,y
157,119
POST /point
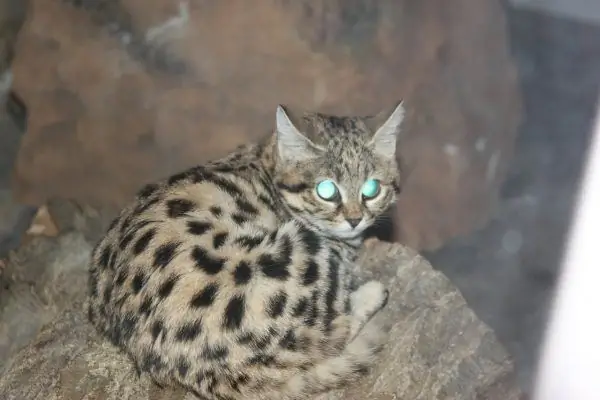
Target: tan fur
x,y
228,280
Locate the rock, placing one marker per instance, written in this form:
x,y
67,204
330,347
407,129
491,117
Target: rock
x,y
438,349
122,92
41,278
12,16
14,217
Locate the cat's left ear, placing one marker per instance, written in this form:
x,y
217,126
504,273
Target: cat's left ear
x,y
292,144
386,126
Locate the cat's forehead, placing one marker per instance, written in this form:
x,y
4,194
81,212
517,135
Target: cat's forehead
x,y
331,131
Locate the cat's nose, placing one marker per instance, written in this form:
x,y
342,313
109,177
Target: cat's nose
x,y
353,221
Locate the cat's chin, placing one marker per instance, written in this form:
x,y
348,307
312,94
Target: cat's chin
x,y
342,231
346,233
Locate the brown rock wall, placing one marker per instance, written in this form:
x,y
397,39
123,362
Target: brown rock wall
x,y
122,92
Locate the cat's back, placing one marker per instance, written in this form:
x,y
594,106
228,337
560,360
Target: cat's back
x,y
196,222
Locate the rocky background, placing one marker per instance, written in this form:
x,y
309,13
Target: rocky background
x,y
499,101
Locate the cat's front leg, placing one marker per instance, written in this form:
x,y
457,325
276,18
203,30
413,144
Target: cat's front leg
x,y
365,302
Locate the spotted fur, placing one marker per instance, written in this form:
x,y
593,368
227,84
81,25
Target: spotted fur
x,y
234,279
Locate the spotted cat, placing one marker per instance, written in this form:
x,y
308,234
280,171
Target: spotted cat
x,y
234,279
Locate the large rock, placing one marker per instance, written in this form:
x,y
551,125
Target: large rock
x,y
121,92
438,349
12,16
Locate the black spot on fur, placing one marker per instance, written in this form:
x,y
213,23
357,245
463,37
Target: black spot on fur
x,y
105,256
219,239
183,367
289,341
300,307
294,209
332,291
147,190
239,218
223,168
142,243
177,208
146,306
310,240
126,224
246,207
267,201
256,342
143,206
242,273
276,305
234,312
216,211
205,262
125,240
198,227
272,237
182,176
157,328
277,267
205,297
93,283
107,293
249,242
151,361
128,324
262,359
236,382
223,184
272,267
188,331
167,286
121,277
214,353
311,274
113,224
292,187
138,282
164,254
313,310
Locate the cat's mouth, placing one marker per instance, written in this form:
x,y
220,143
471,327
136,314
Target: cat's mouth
x,y
347,230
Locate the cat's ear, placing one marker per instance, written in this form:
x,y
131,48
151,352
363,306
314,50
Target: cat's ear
x,y
292,144
386,126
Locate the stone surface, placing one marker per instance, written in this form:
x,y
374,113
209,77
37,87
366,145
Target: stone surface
x,y
438,348
40,279
122,92
14,217
12,16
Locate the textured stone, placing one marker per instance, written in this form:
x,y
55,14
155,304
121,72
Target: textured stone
x,y
40,279
438,349
12,16
122,92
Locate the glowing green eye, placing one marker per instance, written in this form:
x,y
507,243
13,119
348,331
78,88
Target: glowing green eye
x,y
327,190
371,188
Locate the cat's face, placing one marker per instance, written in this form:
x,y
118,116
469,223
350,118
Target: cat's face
x,y
338,173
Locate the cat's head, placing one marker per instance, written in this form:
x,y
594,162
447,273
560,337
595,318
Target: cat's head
x,y
337,173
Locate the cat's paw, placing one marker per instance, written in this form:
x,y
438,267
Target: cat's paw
x,y
365,302
368,299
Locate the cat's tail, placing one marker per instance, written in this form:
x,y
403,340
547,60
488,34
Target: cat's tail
x,y
332,373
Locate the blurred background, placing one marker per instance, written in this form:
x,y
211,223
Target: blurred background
x,y
99,96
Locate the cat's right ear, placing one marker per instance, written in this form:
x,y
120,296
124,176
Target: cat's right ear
x,y
292,144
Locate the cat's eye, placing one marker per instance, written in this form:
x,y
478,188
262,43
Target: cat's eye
x,y
327,190
370,189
